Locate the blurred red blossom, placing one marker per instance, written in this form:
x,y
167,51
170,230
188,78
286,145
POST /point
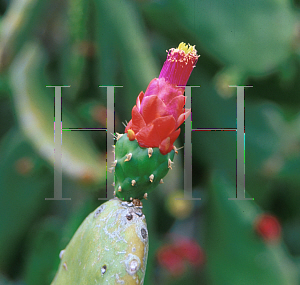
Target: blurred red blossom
x,y
183,251
268,227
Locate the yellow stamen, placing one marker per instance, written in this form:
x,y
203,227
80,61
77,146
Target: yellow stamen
x,y
187,48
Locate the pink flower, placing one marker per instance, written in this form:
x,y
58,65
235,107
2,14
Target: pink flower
x,y
159,111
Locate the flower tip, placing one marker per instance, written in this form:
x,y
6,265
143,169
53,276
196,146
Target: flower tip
x,y
131,135
179,64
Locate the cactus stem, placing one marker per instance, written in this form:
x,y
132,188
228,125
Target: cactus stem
x,y
145,196
161,181
170,163
119,188
65,266
133,182
128,156
150,151
151,177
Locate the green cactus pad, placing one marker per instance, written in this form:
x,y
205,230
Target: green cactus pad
x,y
138,170
110,247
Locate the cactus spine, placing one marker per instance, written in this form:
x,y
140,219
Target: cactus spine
x,y
110,247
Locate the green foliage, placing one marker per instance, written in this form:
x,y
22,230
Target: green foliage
x,y
263,39
20,169
49,233
233,243
35,114
17,26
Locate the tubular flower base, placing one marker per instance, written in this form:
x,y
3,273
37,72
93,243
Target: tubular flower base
x,y
159,111
145,155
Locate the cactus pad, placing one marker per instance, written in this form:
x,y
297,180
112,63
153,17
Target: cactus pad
x,y
138,170
110,247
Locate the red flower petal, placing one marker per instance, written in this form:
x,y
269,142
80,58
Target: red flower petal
x,y
128,126
147,136
139,100
175,106
164,126
163,89
137,120
182,117
173,137
167,145
152,108
153,87
152,134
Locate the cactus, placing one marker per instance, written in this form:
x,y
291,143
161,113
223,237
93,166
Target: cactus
x,y
144,156
110,247
138,170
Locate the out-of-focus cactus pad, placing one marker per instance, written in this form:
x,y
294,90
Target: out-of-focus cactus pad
x,y
110,247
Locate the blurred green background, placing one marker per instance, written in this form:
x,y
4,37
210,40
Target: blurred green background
x,y
123,42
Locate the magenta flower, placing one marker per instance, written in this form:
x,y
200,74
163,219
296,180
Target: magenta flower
x,y
159,112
